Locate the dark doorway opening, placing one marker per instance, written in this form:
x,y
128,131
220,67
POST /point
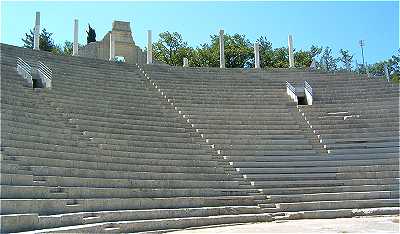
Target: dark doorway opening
x,y
302,100
37,83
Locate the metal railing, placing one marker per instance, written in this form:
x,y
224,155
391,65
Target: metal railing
x,y
45,74
290,87
308,87
24,69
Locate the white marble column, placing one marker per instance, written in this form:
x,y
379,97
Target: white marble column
x,y
75,45
291,55
185,62
112,47
149,48
385,67
36,35
221,49
256,55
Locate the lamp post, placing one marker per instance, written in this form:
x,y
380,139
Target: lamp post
x,y
362,44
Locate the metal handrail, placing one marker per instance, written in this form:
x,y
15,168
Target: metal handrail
x,y
23,65
291,87
308,87
45,70
24,69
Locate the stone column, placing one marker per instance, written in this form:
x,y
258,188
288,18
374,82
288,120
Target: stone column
x,y
36,35
256,55
185,62
75,46
385,67
221,49
112,47
291,55
149,48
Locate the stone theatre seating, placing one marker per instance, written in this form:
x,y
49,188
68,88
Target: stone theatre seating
x,y
109,150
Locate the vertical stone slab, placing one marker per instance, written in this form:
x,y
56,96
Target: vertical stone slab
x,y
256,55
75,45
185,62
221,49
36,35
149,48
112,46
291,55
313,65
385,67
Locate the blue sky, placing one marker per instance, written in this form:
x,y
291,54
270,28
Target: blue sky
x,y
337,24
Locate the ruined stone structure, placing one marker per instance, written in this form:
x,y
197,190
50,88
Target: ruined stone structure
x,y
122,42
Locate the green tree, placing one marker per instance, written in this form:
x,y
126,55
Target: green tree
x,y
315,51
205,56
346,58
302,59
68,48
280,58
392,63
91,35
171,49
328,62
238,52
266,52
46,43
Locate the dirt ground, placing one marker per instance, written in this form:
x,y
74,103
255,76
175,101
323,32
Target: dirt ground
x,y
377,224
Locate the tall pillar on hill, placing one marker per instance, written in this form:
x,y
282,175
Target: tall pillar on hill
x,y
256,55
185,62
75,46
291,56
149,48
36,35
112,46
221,49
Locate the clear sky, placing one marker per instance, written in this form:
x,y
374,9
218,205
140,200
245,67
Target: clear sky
x,y
337,24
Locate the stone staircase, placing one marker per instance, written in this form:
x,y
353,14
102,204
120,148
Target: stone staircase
x,y
102,152
250,120
121,148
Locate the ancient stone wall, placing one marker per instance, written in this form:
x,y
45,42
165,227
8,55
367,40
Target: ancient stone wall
x,y
123,43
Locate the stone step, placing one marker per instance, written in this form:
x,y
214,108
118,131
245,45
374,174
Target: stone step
x,y
112,174
131,143
43,192
333,196
119,156
362,145
60,206
64,181
162,224
333,205
368,150
264,166
321,176
328,157
340,213
370,138
69,219
322,183
146,166
292,171
102,148
329,189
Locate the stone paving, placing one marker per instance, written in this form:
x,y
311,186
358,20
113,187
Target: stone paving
x,y
383,224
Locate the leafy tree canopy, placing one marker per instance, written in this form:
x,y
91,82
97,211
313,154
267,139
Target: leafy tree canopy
x,y
46,43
